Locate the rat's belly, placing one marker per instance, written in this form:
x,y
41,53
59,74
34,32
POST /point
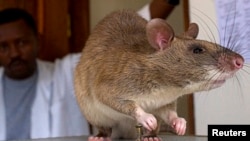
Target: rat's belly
x,y
108,114
158,98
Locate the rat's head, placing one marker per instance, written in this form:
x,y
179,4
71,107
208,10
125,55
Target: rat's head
x,y
191,63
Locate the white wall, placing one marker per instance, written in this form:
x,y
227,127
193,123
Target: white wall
x,y
229,104
100,8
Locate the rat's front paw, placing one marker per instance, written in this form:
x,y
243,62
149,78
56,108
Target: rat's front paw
x,y
148,121
179,125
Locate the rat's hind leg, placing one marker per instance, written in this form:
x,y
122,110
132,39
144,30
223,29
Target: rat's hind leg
x,y
150,135
125,129
104,134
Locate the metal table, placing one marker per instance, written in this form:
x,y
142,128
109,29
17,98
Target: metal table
x,y
165,137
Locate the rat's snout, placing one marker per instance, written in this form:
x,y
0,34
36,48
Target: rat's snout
x,y
231,62
238,62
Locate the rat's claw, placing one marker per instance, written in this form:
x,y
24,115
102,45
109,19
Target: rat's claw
x,y
94,138
151,139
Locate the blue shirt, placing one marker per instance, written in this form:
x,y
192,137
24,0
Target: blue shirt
x,y
18,99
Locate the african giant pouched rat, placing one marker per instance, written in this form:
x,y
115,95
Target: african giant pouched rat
x,y
132,71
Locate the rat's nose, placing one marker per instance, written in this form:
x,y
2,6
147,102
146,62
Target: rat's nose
x,y
238,62
231,62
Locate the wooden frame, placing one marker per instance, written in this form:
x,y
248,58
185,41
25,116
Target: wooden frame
x,y
190,102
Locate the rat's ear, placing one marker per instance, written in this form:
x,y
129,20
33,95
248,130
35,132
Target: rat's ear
x,y
159,33
192,31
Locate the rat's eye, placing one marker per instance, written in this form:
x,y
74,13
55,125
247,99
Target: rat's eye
x,y
197,50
